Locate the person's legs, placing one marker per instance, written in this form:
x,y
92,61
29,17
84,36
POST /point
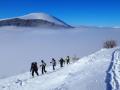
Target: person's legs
x,y
53,67
37,72
67,61
33,73
60,64
42,70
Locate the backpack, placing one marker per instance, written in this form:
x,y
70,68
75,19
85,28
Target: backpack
x,y
44,64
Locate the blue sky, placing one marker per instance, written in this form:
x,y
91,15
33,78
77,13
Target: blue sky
x,y
75,12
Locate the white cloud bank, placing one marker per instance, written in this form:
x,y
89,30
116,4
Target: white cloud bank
x,y
20,46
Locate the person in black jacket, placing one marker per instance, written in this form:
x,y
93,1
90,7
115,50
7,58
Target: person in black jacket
x,y
53,63
62,61
34,68
43,65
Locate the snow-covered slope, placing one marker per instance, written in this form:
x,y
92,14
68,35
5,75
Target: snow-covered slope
x,y
93,72
113,72
42,16
35,20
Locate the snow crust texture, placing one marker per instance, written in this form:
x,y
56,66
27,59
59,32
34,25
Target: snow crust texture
x,y
113,73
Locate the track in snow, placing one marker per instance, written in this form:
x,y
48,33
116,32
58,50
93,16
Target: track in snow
x,y
113,72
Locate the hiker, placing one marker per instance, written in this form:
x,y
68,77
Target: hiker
x,y
34,68
43,65
53,63
61,62
68,60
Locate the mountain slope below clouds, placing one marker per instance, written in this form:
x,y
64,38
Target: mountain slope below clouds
x,y
89,73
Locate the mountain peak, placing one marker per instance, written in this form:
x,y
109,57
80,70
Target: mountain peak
x,y
35,16
42,16
35,20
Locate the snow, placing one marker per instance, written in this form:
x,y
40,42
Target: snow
x,y
89,73
42,16
114,71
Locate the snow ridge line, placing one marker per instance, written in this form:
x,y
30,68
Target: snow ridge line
x,y
112,81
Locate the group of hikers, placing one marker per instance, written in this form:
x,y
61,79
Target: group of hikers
x,y
34,66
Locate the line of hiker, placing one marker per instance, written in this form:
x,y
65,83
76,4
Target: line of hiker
x,y
34,66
